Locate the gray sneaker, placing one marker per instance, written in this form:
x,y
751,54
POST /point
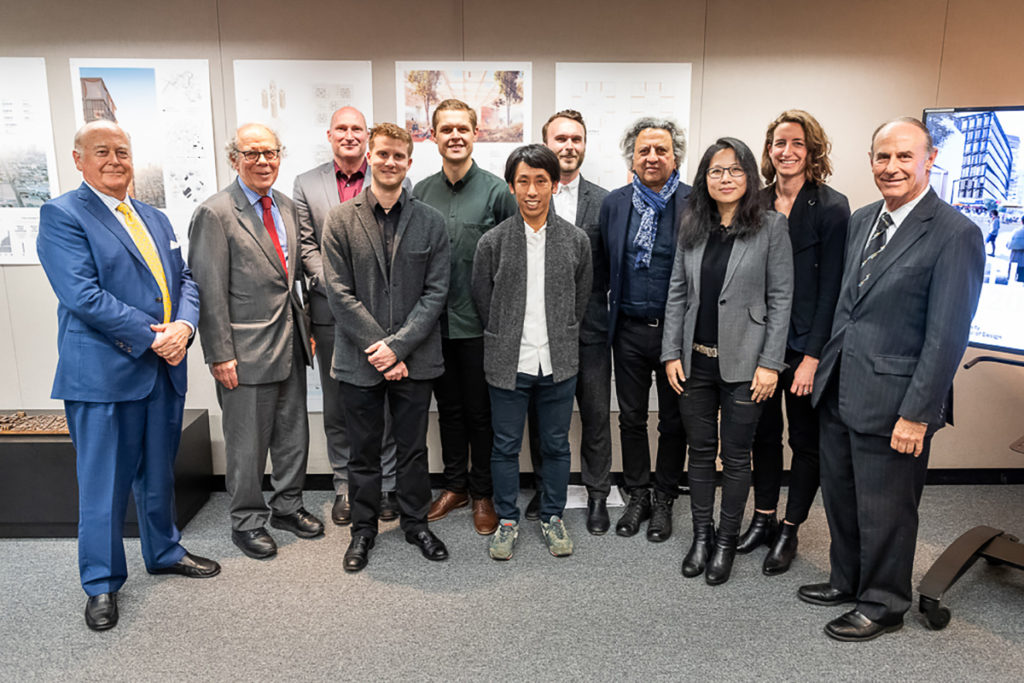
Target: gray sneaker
x,y
503,541
559,543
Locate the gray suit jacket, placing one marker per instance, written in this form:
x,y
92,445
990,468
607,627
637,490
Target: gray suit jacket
x,y
499,293
902,335
316,193
248,310
401,305
594,328
753,313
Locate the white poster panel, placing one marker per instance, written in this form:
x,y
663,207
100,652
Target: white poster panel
x,y
613,95
28,170
164,106
500,92
296,98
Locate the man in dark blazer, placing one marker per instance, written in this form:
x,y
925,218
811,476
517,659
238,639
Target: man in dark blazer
x,y
386,268
127,310
316,192
244,252
638,225
912,278
579,202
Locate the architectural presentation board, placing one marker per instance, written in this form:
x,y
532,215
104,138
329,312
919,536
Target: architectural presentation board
x,y
500,92
613,95
164,106
28,171
296,99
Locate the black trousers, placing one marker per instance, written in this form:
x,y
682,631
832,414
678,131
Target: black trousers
x,y
705,395
637,353
871,494
593,396
805,470
409,403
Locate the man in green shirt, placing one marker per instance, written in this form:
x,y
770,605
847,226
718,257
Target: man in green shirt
x,y
472,201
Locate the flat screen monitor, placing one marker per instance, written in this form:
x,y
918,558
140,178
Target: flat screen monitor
x,y
978,172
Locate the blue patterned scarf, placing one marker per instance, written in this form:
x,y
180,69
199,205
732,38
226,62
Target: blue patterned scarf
x,y
650,205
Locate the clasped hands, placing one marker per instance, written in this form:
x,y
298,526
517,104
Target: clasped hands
x,y
761,388
385,361
171,341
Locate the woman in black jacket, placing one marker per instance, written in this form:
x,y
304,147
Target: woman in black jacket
x,y
795,164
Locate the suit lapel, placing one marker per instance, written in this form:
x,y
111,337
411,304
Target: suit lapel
x,y
913,228
739,247
694,258
98,209
369,225
292,236
403,223
329,184
151,220
253,223
582,202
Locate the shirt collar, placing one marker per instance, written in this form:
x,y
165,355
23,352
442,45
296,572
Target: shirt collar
x,y
461,182
254,197
358,173
530,232
899,215
572,187
371,199
110,202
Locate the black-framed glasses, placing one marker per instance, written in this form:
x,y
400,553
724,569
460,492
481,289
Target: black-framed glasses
x,y
254,155
716,172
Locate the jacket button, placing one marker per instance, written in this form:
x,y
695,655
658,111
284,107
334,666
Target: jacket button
x,y
722,302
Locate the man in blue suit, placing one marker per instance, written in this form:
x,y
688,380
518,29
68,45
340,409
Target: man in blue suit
x,y
638,224
127,310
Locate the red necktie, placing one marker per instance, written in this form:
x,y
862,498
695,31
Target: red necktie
x,y
268,222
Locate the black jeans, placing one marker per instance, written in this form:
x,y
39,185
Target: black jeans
x,y
805,469
593,396
409,403
704,395
637,353
464,417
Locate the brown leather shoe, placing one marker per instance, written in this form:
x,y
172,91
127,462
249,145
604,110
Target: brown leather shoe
x,y
445,503
485,519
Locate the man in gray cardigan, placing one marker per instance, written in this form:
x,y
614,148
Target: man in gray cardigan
x,y
531,283
386,270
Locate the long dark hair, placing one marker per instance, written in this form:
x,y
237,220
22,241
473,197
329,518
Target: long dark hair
x,y
701,215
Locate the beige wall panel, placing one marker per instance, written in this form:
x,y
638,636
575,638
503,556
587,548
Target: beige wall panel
x,y
10,386
851,64
981,62
32,307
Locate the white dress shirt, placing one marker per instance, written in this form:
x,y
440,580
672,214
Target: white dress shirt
x,y
534,352
567,198
898,216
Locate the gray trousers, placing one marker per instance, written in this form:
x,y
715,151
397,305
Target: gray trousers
x,y
258,418
338,446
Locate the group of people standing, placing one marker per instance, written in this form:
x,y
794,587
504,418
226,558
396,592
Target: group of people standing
x,y
508,299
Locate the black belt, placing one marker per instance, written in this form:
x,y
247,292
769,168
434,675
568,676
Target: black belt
x,y
649,322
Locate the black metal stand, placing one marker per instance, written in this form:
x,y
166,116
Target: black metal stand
x,y
994,545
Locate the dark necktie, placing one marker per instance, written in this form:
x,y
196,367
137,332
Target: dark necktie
x,y
874,247
268,222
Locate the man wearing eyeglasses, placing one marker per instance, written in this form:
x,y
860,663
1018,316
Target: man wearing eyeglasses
x,y
243,249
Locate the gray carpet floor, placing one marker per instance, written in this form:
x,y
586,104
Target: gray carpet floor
x,y
618,609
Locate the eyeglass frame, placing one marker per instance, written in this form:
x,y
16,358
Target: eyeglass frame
x,y
735,171
268,154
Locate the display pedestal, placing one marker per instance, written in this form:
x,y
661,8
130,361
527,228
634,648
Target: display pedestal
x,y
39,486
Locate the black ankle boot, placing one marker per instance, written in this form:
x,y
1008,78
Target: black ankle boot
x,y
700,550
720,565
783,551
660,527
762,530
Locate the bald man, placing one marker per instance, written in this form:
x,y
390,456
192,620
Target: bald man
x,y
243,249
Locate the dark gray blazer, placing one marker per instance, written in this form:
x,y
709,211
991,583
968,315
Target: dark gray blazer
x,y
315,194
499,292
902,334
401,306
753,312
594,328
248,310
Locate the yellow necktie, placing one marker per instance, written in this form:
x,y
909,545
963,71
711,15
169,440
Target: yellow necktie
x,y
146,247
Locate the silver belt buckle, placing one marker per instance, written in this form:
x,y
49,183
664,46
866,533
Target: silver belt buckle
x,y
709,351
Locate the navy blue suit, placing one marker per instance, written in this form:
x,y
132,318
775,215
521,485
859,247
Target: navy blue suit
x,y
123,402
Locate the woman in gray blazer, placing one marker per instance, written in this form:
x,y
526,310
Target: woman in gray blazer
x,y
724,341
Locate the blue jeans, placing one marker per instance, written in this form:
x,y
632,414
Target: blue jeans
x,y
508,417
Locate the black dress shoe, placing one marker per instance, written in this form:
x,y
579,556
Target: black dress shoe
x,y
700,550
719,566
101,611
301,523
823,594
358,553
430,545
341,513
533,507
855,627
761,531
637,510
660,527
256,543
192,566
598,522
783,551
388,507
